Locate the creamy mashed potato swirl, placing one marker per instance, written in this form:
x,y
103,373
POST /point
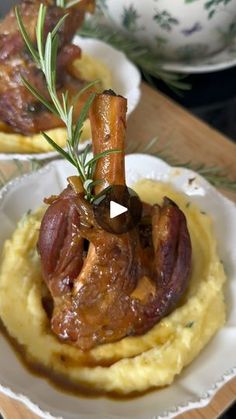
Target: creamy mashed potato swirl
x,y
89,69
133,364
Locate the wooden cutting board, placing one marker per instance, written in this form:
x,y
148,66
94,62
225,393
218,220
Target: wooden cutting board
x,y
185,139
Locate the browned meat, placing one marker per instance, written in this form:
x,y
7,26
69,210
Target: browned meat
x,y
108,286
62,250
18,108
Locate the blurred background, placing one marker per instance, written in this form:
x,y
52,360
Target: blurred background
x,y
212,96
196,39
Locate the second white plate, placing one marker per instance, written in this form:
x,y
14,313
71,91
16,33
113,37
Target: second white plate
x,y
126,80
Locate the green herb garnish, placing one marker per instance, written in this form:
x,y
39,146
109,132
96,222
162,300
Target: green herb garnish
x,y
66,4
45,57
217,176
141,55
189,324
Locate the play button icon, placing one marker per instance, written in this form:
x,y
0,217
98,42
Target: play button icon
x,y
117,209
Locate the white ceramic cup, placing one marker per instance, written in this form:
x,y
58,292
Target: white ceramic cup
x,y
179,30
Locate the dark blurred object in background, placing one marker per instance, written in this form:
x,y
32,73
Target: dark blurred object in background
x,y
5,6
230,413
212,98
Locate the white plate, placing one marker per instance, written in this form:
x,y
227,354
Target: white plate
x,y
219,61
125,81
197,384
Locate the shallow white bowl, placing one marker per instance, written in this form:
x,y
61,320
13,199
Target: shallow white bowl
x,y
197,384
125,81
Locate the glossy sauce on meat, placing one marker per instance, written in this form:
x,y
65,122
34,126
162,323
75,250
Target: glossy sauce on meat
x,y
19,110
123,284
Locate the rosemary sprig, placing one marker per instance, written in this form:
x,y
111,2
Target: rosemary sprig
x,y
66,4
139,54
45,57
217,176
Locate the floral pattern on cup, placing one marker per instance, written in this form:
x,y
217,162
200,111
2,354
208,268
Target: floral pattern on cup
x,y
228,35
212,6
188,53
165,20
130,18
185,28
196,27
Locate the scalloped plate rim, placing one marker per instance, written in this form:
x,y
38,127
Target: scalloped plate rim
x,y
203,399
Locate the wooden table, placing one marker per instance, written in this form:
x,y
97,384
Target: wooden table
x,y
187,139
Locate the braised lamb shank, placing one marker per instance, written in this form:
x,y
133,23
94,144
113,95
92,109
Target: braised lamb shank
x,y
19,110
106,286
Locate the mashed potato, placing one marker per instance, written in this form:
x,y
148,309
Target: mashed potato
x,y
134,363
90,69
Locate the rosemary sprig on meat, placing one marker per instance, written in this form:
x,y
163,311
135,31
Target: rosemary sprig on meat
x,y
66,4
45,57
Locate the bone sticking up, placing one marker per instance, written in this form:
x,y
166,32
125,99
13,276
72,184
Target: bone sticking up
x,y
108,124
123,284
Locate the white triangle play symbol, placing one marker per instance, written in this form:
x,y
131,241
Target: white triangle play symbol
x,y
116,209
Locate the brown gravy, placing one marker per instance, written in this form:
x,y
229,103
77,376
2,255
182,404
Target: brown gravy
x,y
60,382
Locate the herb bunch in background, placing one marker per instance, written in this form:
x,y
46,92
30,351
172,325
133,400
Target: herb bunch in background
x,y
19,168
139,54
216,176
45,57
